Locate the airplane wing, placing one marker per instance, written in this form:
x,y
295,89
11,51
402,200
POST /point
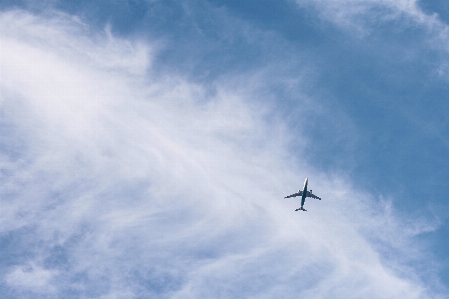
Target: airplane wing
x,y
309,194
294,195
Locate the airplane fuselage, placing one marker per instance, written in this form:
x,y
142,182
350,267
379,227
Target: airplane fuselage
x,y
304,194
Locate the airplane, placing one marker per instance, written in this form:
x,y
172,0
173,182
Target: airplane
x,y
304,193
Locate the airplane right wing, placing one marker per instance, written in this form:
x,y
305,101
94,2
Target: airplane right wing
x,y
294,195
309,194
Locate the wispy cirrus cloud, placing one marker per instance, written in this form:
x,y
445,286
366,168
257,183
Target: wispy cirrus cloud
x,y
368,17
31,277
360,16
120,182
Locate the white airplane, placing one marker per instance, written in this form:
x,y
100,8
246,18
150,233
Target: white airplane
x,y
304,193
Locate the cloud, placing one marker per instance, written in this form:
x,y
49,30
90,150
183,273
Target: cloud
x,y
360,15
365,17
31,277
120,182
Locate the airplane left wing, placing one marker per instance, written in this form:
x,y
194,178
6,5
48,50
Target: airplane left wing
x,y
294,195
309,194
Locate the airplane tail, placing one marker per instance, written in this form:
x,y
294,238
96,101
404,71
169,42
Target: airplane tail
x,y
301,209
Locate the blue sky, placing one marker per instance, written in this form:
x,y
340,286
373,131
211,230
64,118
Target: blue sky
x,y
146,147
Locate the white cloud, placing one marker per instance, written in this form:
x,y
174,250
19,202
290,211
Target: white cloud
x,y
360,15
31,277
153,185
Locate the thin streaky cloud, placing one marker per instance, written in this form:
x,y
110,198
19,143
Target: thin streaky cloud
x,y
132,184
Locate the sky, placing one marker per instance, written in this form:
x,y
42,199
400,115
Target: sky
x,y
146,147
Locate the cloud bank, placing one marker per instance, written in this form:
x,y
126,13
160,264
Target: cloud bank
x,y
119,182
